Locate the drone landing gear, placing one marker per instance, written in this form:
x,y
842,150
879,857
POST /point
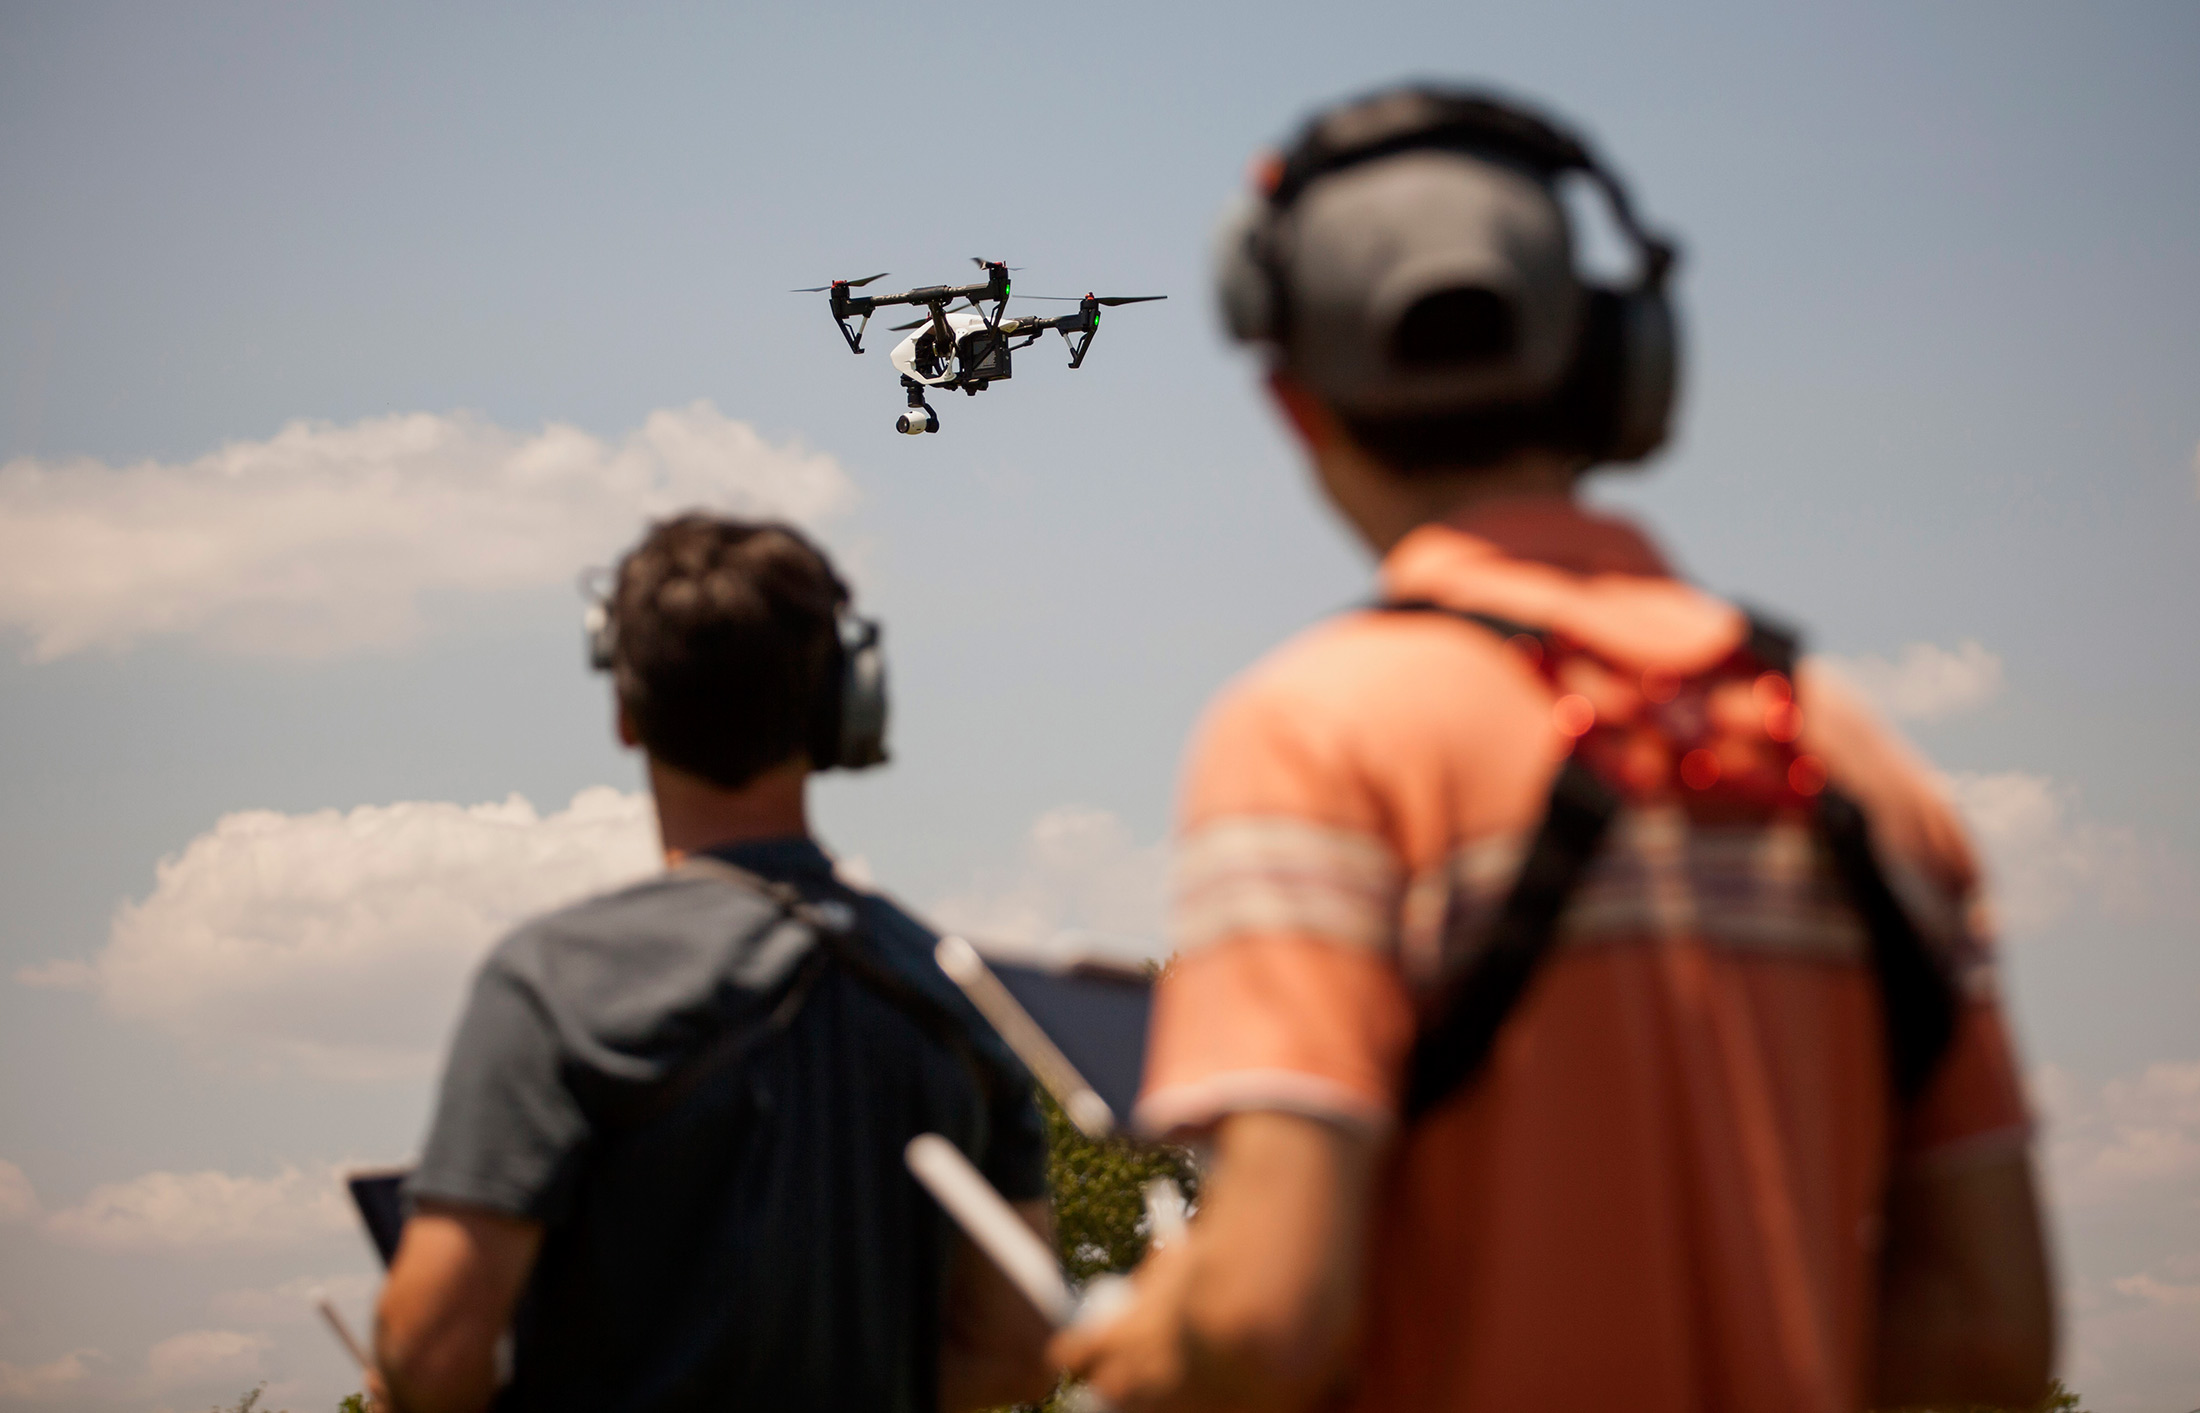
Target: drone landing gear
x,y
920,418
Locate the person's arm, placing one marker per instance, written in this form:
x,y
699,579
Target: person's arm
x,y
457,1274
993,1343
1256,1309
1966,1311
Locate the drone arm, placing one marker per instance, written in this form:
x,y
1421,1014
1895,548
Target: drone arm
x,y
1078,345
853,336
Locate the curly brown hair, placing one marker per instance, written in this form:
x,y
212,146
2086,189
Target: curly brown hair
x,y
725,644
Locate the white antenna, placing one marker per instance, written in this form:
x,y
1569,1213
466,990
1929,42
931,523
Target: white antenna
x,y
344,1336
992,1225
967,969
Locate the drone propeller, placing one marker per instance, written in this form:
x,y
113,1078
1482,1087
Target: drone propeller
x,y
1110,300
851,284
984,264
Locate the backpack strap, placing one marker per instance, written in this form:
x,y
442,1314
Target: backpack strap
x,y
1915,991
832,928
1918,998
1453,1044
1914,988
1503,627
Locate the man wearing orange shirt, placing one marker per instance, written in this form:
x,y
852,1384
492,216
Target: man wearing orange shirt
x,y
1586,1006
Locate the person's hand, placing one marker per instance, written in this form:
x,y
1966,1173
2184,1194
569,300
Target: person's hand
x,y
1135,1359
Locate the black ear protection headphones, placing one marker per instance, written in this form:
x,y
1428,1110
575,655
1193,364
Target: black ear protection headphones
x,y
1616,398
849,730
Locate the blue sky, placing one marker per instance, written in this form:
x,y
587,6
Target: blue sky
x,y
1942,290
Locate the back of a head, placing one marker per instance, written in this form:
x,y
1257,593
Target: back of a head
x,y
1408,259
726,645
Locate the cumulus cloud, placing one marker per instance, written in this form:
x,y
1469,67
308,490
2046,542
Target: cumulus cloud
x,y
1084,884
53,1380
18,1202
2123,1171
1927,682
200,1211
225,1357
341,941
292,1302
324,538
2044,853
2136,1138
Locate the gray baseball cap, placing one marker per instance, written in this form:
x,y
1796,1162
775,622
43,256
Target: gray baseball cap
x,y
1429,281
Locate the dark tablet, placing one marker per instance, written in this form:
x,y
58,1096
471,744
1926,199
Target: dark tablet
x,y
380,1198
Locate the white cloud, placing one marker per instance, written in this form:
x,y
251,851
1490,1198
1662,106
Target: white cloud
x,y
325,538
1085,883
2155,1292
40,1383
2135,1139
2123,1174
2044,853
1927,682
293,1301
341,942
229,1358
164,1211
18,1201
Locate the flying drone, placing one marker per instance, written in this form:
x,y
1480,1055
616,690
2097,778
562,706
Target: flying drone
x,y
967,347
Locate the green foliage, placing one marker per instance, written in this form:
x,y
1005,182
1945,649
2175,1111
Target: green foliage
x,y
1099,1199
1099,1206
2058,1399
249,1402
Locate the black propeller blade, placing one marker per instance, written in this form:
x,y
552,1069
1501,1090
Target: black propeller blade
x,y
984,264
1111,300
852,284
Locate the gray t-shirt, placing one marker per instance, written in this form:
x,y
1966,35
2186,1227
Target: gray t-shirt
x,y
755,1241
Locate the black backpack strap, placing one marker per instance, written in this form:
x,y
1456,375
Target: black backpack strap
x,y
731,1045
1775,645
1501,626
1454,1043
1914,988
832,926
1915,992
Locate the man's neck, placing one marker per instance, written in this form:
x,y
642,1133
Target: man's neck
x,y
694,815
1385,506
1382,505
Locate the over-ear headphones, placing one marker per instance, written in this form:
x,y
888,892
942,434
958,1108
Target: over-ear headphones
x,y
849,730
1615,399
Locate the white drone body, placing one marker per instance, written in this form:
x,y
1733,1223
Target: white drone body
x,y
968,348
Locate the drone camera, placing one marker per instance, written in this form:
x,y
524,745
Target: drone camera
x,y
916,422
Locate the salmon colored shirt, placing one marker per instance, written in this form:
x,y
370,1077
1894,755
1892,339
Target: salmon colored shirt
x,y
1663,1192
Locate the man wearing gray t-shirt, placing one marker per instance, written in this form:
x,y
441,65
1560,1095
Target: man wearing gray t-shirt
x,y
666,1156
